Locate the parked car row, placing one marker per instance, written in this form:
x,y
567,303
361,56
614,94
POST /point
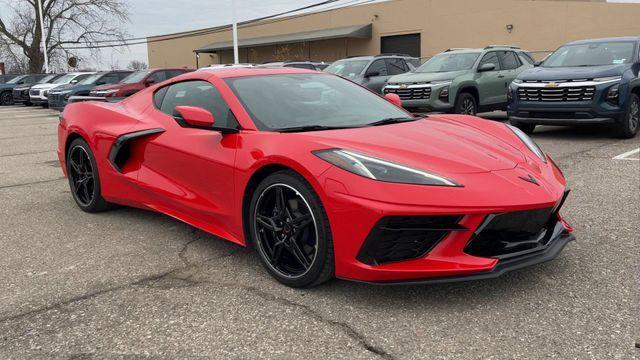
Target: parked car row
x,y
54,90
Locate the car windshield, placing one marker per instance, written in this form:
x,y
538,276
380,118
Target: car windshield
x,y
16,79
135,77
592,54
347,68
448,62
282,101
64,79
91,79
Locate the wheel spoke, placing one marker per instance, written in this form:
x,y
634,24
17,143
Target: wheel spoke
x,y
302,221
268,223
299,255
74,165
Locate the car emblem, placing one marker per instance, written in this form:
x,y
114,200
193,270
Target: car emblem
x,y
552,85
403,86
530,179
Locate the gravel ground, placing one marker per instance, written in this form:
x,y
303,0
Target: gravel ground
x,y
135,284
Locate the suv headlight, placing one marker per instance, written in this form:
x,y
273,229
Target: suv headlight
x,y
529,142
613,94
516,81
381,170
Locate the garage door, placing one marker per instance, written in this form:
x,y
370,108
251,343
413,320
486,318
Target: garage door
x,y
401,44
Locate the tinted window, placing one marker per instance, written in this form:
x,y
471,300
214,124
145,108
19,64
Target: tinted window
x,y
200,94
508,60
283,101
490,58
396,66
109,79
592,54
158,96
379,67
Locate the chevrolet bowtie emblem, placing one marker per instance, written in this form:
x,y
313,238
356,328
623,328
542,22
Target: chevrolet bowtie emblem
x,y
530,179
403,86
552,85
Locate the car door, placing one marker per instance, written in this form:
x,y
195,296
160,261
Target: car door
x,y
490,83
192,169
376,75
510,68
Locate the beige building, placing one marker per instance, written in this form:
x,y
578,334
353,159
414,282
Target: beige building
x,y
417,27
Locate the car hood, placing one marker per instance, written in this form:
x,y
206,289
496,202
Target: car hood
x,y
438,144
109,87
74,87
44,86
426,77
22,87
542,73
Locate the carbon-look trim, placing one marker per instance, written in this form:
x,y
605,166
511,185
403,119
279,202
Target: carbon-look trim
x,y
123,140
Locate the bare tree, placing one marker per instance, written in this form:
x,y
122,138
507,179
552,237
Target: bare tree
x,y
137,65
68,24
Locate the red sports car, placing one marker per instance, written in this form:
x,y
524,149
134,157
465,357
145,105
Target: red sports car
x,y
323,177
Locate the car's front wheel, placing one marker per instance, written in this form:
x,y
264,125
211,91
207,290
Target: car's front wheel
x,y
630,124
84,179
290,230
6,98
466,104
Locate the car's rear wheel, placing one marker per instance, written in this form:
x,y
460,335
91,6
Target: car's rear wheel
x,y
466,104
83,176
526,128
6,98
629,126
290,230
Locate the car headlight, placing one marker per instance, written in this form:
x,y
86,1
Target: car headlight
x,y
529,142
613,94
381,170
607,79
443,94
517,81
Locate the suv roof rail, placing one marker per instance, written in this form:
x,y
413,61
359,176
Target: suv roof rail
x,y
502,46
454,49
393,54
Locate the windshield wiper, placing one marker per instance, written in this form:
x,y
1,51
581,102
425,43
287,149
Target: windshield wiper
x,y
311,128
396,120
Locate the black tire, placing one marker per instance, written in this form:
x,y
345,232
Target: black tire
x,y
466,104
86,192
6,98
630,124
526,128
26,103
284,242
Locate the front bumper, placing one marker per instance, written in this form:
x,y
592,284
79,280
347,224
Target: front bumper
x,y
21,96
57,100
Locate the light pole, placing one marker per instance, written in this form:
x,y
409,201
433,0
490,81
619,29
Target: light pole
x,y
43,37
234,30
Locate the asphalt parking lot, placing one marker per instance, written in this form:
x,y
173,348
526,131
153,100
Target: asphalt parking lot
x,y
131,283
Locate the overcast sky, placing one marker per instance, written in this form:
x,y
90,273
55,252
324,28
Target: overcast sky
x,y
156,17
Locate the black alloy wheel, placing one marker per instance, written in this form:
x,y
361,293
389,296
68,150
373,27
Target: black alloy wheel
x,y
290,231
82,173
630,125
466,104
6,98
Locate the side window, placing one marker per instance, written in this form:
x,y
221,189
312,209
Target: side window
x,y
379,67
158,96
200,94
396,66
508,60
174,73
81,77
29,80
122,75
490,58
527,57
158,76
301,66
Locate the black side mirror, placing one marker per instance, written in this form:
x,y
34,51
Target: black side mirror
x,y
487,67
537,63
372,73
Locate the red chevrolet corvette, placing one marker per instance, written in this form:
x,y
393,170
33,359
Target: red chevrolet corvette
x,y
323,177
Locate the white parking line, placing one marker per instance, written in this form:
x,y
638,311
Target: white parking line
x,y
628,154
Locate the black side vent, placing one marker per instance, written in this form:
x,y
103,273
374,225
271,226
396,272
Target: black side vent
x,y
119,153
400,238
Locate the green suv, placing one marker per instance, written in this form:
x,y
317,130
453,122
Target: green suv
x,y
463,81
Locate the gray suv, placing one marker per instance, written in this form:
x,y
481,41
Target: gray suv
x,y
373,71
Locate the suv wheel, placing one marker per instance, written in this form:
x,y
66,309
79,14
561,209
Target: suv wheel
x,y
466,104
628,128
6,98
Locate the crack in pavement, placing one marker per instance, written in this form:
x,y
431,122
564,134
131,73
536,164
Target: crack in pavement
x,y
26,153
581,152
32,183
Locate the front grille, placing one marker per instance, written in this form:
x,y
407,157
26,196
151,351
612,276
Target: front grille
x,y
400,238
510,234
577,93
415,93
34,92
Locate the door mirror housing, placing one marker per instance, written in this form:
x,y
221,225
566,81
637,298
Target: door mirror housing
x,y
394,99
73,82
487,67
372,74
149,82
197,117
537,63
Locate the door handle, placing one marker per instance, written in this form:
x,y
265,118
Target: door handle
x,y
500,76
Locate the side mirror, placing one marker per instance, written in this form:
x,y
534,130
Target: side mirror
x,y
394,99
149,82
537,63
73,82
372,73
195,116
487,67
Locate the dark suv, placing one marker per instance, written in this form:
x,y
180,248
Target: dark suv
x,y
583,82
6,89
373,71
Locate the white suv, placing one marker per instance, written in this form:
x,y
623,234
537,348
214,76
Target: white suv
x,y
38,93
